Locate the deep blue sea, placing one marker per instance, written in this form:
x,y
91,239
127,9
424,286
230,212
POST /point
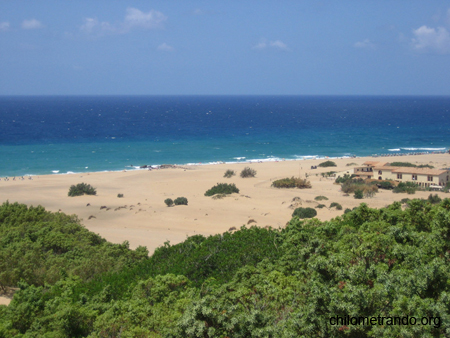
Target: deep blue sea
x,y
61,134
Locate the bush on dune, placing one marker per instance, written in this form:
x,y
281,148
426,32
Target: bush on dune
x,y
81,189
327,164
293,182
304,213
222,188
248,172
229,173
180,201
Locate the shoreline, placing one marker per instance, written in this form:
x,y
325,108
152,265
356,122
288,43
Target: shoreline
x,y
249,161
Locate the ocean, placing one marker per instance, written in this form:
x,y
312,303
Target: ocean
x,y
64,134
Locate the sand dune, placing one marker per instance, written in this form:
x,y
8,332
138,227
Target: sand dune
x,y
142,218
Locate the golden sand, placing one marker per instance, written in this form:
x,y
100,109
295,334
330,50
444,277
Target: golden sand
x,y
142,218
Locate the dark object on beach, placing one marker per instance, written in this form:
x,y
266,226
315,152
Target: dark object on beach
x,y
143,166
88,204
248,172
120,195
304,213
103,207
81,189
167,166
181,201
327,164
313,167
92,216
169,202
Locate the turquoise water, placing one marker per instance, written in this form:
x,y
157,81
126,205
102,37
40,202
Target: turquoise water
x,y
45,135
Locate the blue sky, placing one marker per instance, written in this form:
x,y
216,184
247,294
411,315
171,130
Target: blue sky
x,y
358,47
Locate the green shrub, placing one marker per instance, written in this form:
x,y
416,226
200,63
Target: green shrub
x,y
169,202
347,210
350,186
337,205
402,164
119,195
404,200
434,199
320,206
344,179
350,164
293,182
385,185
248,172
447,187
328,173
410,191
358,194
181,201
222,188
304,213
81,189
409,164
327,164
408,187
229,173
321,198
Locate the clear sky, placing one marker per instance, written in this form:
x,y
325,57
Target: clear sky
x,y
351,47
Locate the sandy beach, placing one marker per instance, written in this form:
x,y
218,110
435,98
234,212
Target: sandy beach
x,y
142,218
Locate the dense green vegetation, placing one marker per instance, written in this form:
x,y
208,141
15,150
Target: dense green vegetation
x,y
169,202
180,201
344,178
251,283
293,182
359,187
388,185
359,194
229,173
409,164
408,187
222,188
336,205
38,247
447,187
327,164
81,189
248,172
434,199
304,213
321,198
